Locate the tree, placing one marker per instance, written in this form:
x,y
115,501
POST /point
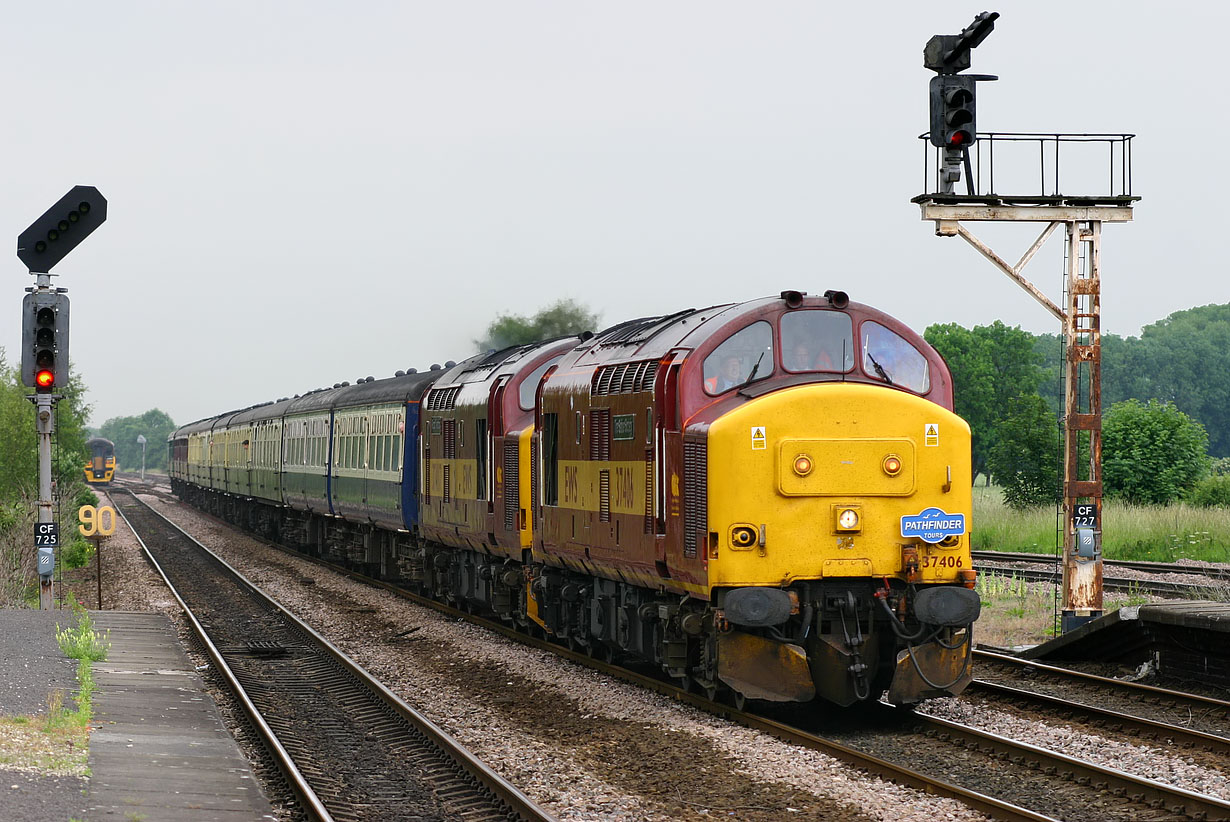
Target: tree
x,y
1151,452
19,437
1184,359
560,319
991,366
154,425
1025,457
1187,360
19,474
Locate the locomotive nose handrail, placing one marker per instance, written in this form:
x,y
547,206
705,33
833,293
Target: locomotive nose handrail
x,y
1027,171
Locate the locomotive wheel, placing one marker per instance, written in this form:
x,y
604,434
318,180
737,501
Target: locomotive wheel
x,y
734,699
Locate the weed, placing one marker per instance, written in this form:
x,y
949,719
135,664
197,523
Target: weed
x,y
83,642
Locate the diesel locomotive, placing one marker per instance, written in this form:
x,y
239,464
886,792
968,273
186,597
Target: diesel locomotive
x,y
767,499
100,468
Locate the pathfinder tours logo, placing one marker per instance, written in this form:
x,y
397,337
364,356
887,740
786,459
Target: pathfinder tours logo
x,y
932,525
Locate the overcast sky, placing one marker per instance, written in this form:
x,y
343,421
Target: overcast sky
x,y
307,192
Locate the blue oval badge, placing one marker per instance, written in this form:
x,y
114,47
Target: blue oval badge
x,y
932,525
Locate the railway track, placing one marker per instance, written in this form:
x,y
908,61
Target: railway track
x,y
1219,572
348,748
1055,787
1002,777
1217,576
1177,712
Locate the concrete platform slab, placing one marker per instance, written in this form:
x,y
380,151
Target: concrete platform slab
x,y
160,749
1183,639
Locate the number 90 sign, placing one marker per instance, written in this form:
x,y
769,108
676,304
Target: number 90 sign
x,y
96,522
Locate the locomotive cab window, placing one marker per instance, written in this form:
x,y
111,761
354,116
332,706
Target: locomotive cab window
x,y
529,385
888,357
746,356
817,341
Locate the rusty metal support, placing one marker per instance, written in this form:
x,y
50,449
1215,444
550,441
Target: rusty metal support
x,y
1082,477
1081,318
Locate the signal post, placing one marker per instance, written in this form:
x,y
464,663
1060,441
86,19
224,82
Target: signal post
x,y
44,345
954,135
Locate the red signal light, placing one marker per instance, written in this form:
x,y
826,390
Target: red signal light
x,y
44,379
957,138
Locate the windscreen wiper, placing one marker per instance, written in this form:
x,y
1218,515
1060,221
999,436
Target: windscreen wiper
x,y
755,368
878,369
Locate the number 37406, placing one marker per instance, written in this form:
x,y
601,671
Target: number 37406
x,y
943,561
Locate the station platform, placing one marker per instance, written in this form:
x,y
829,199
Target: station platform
x,y
1183,639
158,749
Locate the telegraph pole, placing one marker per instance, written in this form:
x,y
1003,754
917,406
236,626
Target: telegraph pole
x,y
44,345
952,98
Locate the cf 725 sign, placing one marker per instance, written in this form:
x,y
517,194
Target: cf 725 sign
x,y
46,534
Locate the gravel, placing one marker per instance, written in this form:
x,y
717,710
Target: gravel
x,y
584,746
1083,742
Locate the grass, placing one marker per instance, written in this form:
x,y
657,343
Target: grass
x,y
58,742
1016,612
1159,533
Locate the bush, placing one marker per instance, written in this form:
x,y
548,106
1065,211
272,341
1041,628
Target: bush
x,y
1025,457
76,552
85,497
1152,453
1211,492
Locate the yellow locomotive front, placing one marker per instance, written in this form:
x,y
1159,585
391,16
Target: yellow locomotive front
x,y
100,468
837,511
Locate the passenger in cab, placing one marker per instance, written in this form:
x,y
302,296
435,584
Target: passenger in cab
x,y
729,376
746,356
800,358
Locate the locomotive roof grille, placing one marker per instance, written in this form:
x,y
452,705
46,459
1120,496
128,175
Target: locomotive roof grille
x,y
624,378
624,332
443,399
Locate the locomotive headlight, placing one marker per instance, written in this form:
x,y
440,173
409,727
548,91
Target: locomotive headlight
x,y
847,518
803,465
743,536
892,465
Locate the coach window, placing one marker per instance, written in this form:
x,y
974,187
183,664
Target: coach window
x,y
888,357
817,341
746,356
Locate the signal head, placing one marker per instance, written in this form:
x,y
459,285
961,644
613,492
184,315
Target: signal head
x,y
44,340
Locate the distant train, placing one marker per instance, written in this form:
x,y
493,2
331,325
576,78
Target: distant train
x,y
100,469
767,499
